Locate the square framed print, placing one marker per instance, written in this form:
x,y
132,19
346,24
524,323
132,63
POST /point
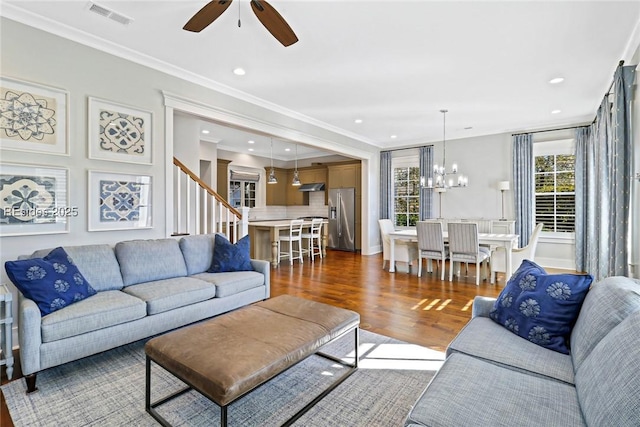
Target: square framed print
x,y
33,117
119,201
118,132
34,200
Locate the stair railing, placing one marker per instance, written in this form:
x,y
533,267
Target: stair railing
x,y
198,209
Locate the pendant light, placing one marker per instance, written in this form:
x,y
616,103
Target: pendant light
x,y
296,178
272,173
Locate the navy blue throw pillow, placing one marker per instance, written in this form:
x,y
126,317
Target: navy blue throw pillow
x,y
230,257
541,307
52,282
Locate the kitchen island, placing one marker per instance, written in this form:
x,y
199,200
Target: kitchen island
x,y
264,238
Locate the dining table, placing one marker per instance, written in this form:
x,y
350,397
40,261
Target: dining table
x,y
264,236
507,241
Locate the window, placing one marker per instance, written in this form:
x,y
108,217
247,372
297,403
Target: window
x,y
406,194
555,192
242,193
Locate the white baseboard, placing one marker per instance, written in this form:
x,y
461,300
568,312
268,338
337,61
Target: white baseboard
x,y
563,264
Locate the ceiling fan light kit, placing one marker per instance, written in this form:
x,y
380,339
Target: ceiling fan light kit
x,y
267,15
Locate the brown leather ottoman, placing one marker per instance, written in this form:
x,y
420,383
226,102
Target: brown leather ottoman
x,y
228,356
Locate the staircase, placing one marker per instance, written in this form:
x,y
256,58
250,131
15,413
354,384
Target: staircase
x,y
198,209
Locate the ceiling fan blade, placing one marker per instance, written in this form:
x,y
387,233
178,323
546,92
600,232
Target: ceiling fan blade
x,y
274,22
205,16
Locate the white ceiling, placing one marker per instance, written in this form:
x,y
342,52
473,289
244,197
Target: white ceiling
x,y
393,64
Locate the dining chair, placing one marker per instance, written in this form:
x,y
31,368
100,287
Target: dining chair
x,y
431,246
294,236
404,251
499,256
464,247
314,238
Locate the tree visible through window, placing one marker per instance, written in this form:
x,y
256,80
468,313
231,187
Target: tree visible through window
x,y
555,192
406,198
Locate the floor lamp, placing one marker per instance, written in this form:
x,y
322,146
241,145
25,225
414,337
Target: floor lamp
x,y
503,186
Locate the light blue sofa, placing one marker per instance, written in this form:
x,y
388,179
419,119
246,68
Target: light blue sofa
x,y
144,287
492,377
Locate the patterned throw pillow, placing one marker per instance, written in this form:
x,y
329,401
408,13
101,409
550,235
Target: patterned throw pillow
x,y
541,307
230,257
52,282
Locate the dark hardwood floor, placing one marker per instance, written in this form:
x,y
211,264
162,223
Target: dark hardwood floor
x,y
424,311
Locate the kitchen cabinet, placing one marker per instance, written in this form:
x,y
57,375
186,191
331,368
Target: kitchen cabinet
x,y
307,175
294,196
285,194
277,193
344,176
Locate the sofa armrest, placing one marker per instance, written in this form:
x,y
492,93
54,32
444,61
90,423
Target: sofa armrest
x,y
29,335
263,267
482,306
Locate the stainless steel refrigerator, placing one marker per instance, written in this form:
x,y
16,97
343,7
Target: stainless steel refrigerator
x,y
342,219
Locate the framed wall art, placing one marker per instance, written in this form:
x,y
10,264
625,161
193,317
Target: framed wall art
x,y
33,117
34,200
119,201
119,133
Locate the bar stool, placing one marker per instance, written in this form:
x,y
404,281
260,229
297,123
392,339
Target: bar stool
x,y
294,236
315,232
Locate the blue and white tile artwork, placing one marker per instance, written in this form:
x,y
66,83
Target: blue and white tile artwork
x,y
122,133
27,199
120,200
27,116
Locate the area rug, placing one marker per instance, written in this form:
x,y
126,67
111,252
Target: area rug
x,y
108,390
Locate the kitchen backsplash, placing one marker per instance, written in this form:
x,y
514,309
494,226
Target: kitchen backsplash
x,y
316,207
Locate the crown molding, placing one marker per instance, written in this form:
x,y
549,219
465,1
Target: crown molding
x,y
31,19
220,115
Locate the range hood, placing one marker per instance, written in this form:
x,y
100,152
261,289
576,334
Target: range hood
x,y
316,186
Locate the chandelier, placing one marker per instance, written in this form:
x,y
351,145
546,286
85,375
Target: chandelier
x,y
442,179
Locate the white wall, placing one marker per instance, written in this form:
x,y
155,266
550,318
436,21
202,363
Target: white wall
x,y
85,71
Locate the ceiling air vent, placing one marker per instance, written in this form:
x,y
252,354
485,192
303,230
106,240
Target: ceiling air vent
x,y
108,13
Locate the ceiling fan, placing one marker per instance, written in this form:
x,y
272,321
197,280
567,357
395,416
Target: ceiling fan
x,y
269,17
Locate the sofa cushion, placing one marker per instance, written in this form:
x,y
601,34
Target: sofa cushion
x,y
484,338
233,282
148,260
52,282
97,263
608,381
228,256
468,391
198,252
107,308
608,303
541,307
167,294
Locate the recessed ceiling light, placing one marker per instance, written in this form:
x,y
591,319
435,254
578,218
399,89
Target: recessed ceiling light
x,y
556,112
206,132
394,136
239,71
287,149
358,121
556,80
250,149
251,141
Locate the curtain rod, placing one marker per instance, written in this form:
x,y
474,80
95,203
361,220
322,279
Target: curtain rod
x,y
407,148
620,64
548,130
